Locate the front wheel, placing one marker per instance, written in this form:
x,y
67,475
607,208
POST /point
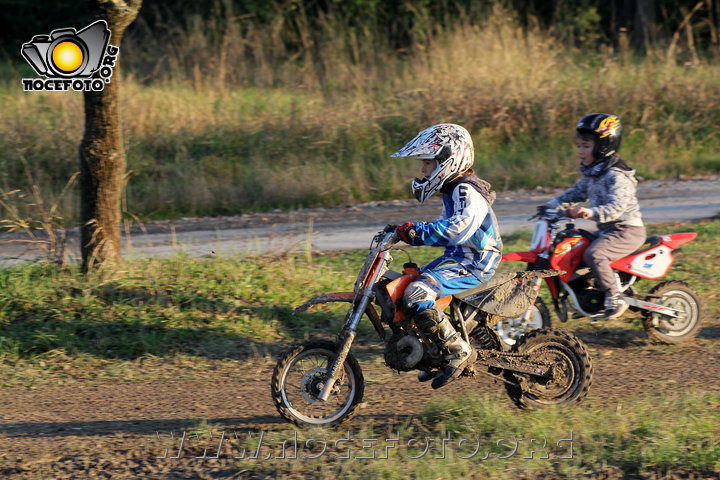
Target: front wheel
x,y
570,369
299,377
511,329
673,330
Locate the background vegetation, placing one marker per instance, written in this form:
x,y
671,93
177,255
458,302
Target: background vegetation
x,y
237,106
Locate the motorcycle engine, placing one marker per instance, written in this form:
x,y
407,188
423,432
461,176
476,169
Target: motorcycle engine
x,y
590,299
403,352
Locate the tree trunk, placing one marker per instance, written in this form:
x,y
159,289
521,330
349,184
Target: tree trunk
x,y
102,154
636,25
643,36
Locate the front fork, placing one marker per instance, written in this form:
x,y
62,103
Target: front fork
x,y
345,341
536,288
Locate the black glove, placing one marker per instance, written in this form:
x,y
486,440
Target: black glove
x,y
541,210
406,232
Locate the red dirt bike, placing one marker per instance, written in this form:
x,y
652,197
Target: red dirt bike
x,y
671,309
320,382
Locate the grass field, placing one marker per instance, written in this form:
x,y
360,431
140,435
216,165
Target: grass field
x,y
180,317
475,437
221,308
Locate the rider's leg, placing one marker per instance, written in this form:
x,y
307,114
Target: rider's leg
x,y
420,296
614,244
419,303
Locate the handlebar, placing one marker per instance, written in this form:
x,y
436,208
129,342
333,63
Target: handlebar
x,y
387,236
551,214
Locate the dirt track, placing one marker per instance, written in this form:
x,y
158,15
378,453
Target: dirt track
x,y
105,429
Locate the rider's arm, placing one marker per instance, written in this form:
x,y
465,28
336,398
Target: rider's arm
x,y
576,193
469,210
620,194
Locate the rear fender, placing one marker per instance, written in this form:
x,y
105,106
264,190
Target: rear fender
x,y
674,240
346,297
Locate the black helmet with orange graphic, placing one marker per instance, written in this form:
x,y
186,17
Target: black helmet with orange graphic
x,y
606,131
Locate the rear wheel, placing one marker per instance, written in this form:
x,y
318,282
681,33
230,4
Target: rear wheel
x,y
570,367
673,330
300,376
511,329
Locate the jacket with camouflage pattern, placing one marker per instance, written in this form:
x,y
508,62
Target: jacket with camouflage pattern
x,y
611,188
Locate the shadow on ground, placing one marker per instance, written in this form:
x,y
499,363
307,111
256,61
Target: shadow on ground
x,y
250,424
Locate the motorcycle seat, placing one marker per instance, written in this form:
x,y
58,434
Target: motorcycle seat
x,y
495,280
501,278
650,242
507,294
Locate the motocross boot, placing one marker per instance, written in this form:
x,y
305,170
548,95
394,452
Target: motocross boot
x,y
424,376
458,352
615,306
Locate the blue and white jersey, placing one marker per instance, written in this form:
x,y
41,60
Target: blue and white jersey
x,y
467,229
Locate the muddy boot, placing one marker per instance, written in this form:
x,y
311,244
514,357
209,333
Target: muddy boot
x,y
615,306
438,329
458,354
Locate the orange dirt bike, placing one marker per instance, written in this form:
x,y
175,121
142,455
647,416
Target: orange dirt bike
x,y
320,382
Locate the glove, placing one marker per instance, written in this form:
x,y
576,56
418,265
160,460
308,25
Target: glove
x,y
541,210
406,232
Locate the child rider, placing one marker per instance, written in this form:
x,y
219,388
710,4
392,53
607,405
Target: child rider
x,y
610,185
467,229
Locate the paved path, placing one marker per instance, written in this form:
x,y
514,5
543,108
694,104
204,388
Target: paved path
x,y
352,226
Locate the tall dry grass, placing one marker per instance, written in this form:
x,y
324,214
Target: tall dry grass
x,y
256,125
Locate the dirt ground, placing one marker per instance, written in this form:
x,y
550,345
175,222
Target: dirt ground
x,y
108,429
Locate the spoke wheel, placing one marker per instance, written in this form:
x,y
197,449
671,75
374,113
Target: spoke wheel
x,y
299,377
673,330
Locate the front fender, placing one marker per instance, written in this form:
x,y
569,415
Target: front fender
x,y
528,257
347,297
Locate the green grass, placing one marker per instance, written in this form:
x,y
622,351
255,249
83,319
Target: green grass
x,y
223,308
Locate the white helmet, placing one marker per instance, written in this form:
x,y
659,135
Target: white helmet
x,y
447,143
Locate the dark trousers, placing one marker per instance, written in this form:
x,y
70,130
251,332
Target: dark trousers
x,y
619,241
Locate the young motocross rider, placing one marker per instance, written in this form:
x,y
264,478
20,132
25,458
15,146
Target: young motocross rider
x,y
467,229
610,185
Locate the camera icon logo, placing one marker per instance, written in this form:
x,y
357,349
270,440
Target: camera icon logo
x,y
66,54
